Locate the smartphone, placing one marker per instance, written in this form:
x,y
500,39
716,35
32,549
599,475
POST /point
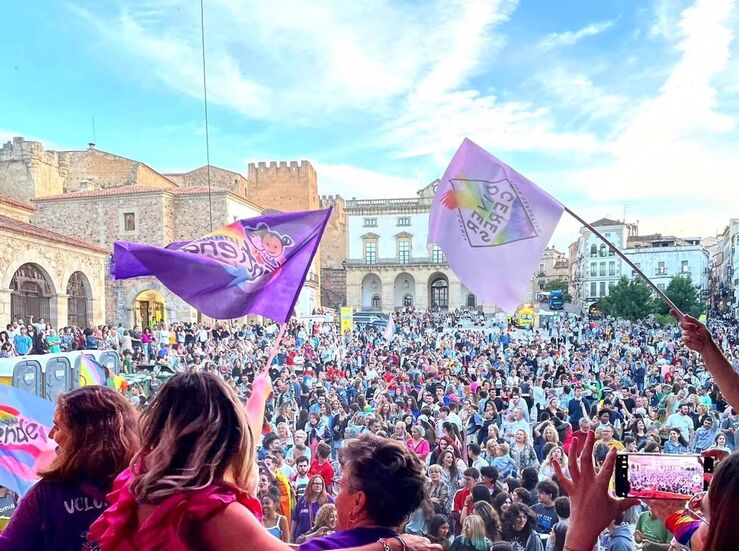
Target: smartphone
x,y
661,476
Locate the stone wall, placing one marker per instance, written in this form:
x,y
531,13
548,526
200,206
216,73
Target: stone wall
x,y
333,287
147,176
58,262
334,244
192,218
99,220
169,215
94,169
333,253
219,177
283,186
27,170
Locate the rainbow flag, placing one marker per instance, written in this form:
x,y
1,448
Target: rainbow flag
x,y
91,372
25,446
116,382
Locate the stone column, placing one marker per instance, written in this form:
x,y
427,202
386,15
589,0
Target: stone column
x,y
422,291
5,306
96,311
455,292
354,289
388,291
59,309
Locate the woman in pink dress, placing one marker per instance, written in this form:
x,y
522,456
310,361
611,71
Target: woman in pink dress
x,y
191,487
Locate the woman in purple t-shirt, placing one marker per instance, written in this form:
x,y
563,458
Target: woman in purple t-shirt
x,y
95,429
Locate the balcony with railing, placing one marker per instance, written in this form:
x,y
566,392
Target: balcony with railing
x,y
395,261
383,203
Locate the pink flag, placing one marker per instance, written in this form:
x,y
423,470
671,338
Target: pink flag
x,y
389,329
492,224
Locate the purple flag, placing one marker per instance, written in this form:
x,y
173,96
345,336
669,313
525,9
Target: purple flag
x,y
492,224
256,265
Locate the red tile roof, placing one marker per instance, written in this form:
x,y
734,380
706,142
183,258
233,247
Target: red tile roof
x,y
131,190
7,223
16,203
122,190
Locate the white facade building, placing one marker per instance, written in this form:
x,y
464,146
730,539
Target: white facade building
x,y
661,264
659,257
389,264
598,267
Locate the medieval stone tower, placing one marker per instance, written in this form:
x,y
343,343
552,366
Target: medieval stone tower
x,y
334,253
28,171
284,186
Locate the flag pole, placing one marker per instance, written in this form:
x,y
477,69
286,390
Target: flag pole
x,y
628,261
275,346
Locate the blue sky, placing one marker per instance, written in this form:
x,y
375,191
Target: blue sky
x,y
606,105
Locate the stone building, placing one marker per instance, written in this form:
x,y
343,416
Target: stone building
x,y
99,198
389,264
284,186
333,254
724,269
48,275
553,265
28,171
146,215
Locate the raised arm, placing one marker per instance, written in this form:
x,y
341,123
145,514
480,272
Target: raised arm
x,y
697,337
260,391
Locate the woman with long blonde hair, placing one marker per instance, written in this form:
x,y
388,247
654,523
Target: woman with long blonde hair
x,y
473,536
522,452
191,487
324,524
546,471
197,460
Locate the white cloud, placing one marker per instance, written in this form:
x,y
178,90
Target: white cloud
x,y
407,69
437,127
289,60
578,94
670,145
351,181
570,38
665,19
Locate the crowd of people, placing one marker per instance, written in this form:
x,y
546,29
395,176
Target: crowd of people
x,y
656,477
477,422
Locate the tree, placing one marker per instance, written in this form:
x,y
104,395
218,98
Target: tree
x,y
685,295
629,299
558,284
